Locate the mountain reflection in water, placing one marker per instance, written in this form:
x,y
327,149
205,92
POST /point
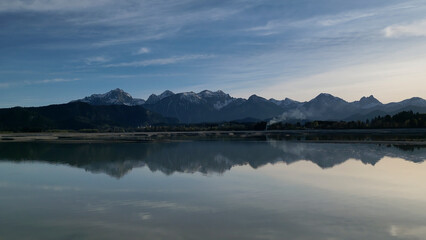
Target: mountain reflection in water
x,y
117,159
329,191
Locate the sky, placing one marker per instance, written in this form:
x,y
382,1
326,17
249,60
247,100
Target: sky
x,y
55,51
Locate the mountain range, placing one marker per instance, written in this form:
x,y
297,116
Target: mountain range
x,y
217,106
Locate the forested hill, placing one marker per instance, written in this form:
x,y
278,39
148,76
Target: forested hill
x,y
83,116
77,116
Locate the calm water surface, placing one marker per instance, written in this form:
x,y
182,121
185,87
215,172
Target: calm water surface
x,y
212,190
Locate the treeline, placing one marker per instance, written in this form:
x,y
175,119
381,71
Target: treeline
x,y
406,119
82,117
227,126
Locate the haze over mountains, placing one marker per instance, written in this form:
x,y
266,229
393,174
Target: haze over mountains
x,y
209,106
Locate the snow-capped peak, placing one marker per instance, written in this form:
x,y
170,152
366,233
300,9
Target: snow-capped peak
x,y
256,98
165,94
113,97
155,98
190,96
211,94
206,93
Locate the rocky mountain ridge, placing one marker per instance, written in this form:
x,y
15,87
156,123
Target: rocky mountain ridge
x,y
217,106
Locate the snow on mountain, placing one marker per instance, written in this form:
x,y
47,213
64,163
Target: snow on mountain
x,y
211,94
165,94
154,98
217,106
191,97
275,101
255,98
217,99
206,93
286,103
113,97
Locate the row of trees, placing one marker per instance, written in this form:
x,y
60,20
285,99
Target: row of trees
x,y
228,126
406,119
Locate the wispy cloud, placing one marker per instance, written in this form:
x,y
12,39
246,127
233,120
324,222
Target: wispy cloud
x,y
154,35
344,18
35,82
142,50
276,26
147,20
414,29
48,5
256,44
131,21
279,26
158,15
4,85
160,61
54,80
96,60
415,232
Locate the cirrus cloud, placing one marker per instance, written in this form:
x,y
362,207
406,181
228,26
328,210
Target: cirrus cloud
x,y
415,29
142,50
49,5
36,82
160,61
96,60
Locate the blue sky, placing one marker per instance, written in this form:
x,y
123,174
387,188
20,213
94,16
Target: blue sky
x,y
57,51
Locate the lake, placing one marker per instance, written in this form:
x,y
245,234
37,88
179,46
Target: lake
x,y
227,189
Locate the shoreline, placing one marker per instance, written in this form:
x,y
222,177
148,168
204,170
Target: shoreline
x,y
379,136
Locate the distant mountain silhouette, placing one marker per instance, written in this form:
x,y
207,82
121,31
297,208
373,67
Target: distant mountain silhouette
x,y
209,106
117,159
117,109
367,102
